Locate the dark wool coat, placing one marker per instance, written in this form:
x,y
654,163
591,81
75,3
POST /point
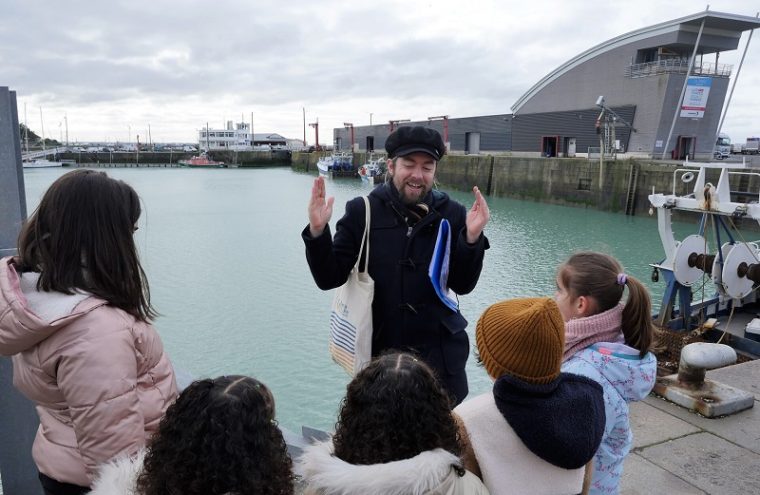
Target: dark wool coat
x,y
407,313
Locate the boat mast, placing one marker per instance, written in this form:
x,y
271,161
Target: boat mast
x,y
26,132
42,125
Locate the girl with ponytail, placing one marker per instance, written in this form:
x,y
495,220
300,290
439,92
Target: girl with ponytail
x,y
609,339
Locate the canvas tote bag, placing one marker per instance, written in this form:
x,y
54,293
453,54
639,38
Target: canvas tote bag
x,y
351,315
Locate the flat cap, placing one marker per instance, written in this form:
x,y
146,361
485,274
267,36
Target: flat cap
x,y
407,140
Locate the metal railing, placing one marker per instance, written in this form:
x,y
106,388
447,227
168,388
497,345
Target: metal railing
x,y
677,66
40,153
18,420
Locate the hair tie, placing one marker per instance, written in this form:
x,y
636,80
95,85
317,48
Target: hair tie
x,y
622,278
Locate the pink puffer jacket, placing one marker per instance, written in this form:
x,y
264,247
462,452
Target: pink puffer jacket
x,y
100,378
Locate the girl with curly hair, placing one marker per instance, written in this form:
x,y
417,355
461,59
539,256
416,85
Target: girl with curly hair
x,y
395,435
76,317
220,437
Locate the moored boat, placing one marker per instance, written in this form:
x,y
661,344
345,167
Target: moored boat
x,y
339,163
42,163
375,167
201,161
713,275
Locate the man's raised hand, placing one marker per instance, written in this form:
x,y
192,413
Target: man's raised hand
x,y
320,209
477,217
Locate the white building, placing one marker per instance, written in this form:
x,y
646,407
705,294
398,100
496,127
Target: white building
x,y
237,138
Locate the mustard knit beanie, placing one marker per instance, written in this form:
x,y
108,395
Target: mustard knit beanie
x,y
522,337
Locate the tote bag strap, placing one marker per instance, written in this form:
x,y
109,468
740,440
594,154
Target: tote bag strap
x,y
365,238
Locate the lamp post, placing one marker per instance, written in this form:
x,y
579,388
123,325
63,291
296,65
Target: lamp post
x,y
349,125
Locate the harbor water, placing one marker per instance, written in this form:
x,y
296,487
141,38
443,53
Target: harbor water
x,y
227,271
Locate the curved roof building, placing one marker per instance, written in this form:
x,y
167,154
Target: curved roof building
x,y
637,78
641,76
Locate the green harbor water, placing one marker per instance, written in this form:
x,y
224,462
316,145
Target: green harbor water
x,y
227,272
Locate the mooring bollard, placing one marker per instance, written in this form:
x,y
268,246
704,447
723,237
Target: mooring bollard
x,y
699,357
690,389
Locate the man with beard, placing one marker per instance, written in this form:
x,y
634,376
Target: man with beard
x,y
406,213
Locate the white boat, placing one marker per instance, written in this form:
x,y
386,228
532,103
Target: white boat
x,y
374,167
42,163
338,162
713,275
324,165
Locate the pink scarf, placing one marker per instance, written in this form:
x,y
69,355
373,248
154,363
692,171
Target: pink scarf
x,y
603,327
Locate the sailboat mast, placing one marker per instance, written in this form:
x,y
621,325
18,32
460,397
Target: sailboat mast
x,y
42,125
26,131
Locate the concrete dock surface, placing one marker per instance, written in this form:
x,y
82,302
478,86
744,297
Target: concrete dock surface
x,y
676,451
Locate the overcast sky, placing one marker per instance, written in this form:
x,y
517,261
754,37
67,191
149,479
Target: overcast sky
x,y
114,67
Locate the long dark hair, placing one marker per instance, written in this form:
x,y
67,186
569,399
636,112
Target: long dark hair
x,y
218,437
595,275
394,409
81,237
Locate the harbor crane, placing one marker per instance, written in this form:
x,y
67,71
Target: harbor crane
x,y
605,125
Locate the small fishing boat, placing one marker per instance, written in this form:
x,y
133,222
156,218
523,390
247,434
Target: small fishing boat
x,y
201,161
713,275
375,167
339,163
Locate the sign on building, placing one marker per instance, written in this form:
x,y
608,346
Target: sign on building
x,y
695,98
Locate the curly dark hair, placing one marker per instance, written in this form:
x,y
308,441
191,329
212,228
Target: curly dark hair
x,y
394,409
219,437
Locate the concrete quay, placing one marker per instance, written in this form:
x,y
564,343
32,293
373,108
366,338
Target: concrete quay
x,y
677,452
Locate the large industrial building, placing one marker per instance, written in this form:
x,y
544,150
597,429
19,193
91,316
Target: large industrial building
x,y
637,94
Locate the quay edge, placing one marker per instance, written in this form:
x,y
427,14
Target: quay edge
x,y
626,183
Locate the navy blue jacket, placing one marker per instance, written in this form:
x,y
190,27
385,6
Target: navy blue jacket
x,y
406,312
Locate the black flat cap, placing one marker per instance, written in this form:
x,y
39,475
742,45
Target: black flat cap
x,y
407,140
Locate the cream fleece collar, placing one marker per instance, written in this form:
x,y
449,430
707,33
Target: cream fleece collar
x,y
420,474
49,306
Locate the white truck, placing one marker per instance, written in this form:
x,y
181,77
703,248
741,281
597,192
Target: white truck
x,y
752,146
722,147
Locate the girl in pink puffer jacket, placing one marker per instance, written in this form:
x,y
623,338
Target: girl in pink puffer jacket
x,y
75,315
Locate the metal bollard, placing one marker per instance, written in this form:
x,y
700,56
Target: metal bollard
x,y
690,389
699,357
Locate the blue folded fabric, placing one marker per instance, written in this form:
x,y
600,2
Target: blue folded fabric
x,y
439,266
